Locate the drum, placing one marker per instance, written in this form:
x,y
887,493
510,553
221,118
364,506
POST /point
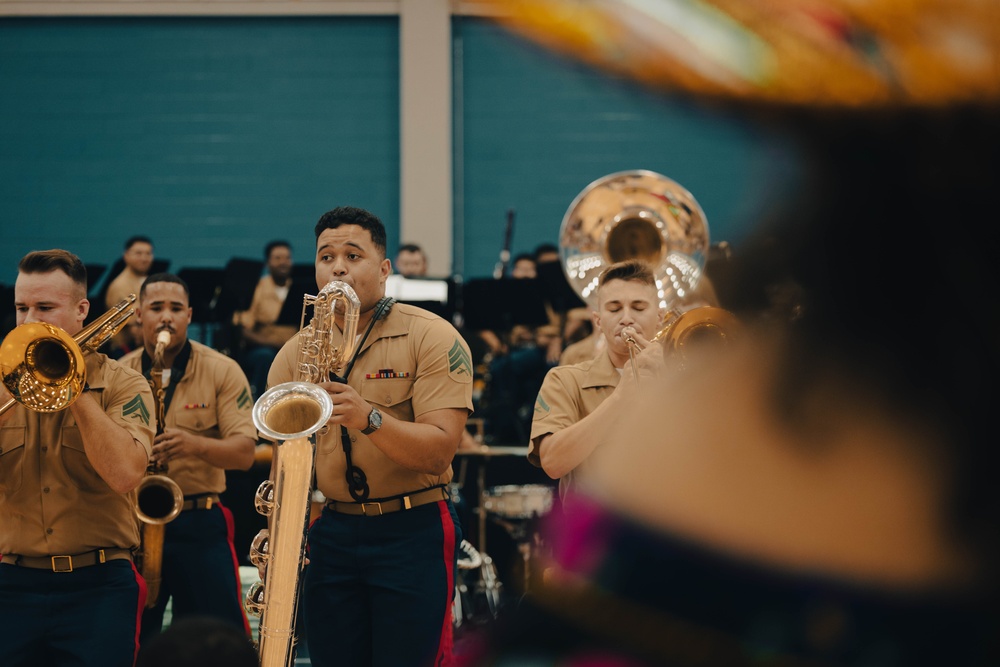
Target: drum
x,y
518,501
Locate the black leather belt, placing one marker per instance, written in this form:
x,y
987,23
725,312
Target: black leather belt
x,y
389,505
68,563
205,502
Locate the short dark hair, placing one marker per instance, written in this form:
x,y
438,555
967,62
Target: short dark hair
x,y
132,240
351,215
410,247
198,641
276,244
522,256
543,248
44,261
630,270
164,278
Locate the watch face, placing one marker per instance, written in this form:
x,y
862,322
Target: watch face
x,y
374,421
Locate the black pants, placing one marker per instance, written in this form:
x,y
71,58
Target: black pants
x,y
84,617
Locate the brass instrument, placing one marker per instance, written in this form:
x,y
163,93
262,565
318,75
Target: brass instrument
x,y
43,367
158,498
290,414
644,215
636,214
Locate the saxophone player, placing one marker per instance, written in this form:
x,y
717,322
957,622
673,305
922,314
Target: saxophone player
x,y
380,579
207,430
67,528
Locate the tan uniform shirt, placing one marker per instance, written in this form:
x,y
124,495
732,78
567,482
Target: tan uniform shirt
x,y
125,283
583,350
213,400
263,313
568,394
413,362
52,501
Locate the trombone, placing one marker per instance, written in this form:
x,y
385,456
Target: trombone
x,y
43,367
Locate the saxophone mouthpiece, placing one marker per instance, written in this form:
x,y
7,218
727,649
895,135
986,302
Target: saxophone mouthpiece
x,y
163,338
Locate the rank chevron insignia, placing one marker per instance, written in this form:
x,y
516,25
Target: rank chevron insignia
x,y
244,401
459,362
136,407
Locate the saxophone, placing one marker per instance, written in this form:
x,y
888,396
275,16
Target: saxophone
x,y
290,415
158,498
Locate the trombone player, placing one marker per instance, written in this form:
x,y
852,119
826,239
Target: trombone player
x,y
571,397
67,522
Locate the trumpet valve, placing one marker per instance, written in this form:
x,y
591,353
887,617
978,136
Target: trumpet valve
x,y
264,499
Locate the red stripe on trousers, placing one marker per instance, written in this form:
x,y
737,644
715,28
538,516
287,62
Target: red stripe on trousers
x,y
445,657
230,533
143,594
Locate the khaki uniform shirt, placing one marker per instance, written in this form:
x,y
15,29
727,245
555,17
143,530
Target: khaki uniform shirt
x,y
263,313
125,283
568,394
413,362
583,350
52,501
212,399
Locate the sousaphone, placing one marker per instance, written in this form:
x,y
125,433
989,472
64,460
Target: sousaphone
x,y
644,215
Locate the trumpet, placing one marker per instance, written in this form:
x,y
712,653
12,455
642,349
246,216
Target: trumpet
x,y
43,367
159,499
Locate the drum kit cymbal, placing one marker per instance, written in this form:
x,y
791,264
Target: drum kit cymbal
x,y
517,509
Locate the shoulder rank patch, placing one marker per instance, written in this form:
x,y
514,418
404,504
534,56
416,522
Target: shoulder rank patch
x,y
459,363
541,406
136,408
243,401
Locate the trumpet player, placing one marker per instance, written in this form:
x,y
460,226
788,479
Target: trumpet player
x,y
569,400
380,580
67,529
207,430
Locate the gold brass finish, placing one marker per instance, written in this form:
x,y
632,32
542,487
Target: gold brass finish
x,y
159,499
43,367
637,214
290,415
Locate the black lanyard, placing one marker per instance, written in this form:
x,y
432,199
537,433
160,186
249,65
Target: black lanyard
x,y
357,481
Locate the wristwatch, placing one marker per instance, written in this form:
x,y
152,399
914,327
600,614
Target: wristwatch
x,y
374,422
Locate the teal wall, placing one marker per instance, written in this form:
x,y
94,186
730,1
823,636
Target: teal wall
x,y
215,135
212,136
537,129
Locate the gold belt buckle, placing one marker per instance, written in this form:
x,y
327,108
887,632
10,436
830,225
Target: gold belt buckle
x,y
208,502
69,564
364,508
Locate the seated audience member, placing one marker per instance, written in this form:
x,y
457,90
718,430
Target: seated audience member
x,y
261,333
411,261
818,492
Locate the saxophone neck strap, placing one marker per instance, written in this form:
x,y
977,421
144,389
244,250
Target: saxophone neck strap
x,y
357,481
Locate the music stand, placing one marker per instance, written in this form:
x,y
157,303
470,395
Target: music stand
x,y
556,288
239,280
438,295
499,304
204,286
303,282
